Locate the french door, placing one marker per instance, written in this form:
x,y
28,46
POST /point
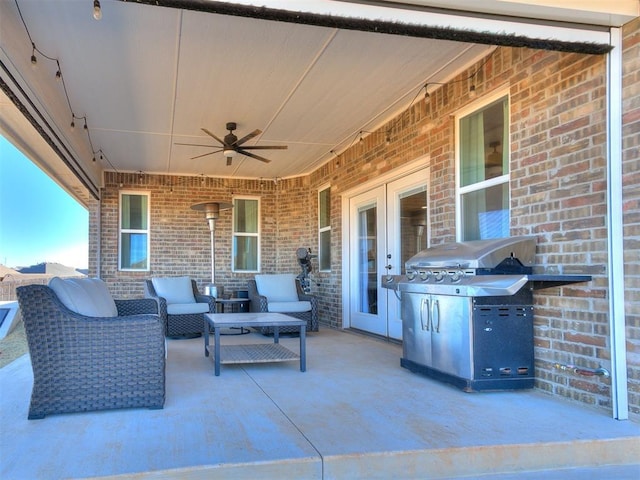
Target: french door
x,y
388,224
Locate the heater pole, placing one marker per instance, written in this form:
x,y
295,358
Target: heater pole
x,y
212,229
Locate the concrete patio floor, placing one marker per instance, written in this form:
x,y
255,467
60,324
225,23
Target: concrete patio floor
x,y
355,413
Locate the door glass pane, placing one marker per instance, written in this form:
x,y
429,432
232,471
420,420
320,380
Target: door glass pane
x,y
413,225
367,255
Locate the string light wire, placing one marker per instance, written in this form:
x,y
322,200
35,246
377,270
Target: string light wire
x,y
60,77
425,87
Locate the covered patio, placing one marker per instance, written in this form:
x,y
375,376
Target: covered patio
x,y
355,413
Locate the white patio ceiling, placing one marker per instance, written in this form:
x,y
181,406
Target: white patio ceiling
x,y
148,77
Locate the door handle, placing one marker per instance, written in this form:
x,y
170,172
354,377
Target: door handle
x,y
424,307
436,314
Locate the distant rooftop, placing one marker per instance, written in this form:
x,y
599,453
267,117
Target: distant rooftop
x,y
55,269
4,271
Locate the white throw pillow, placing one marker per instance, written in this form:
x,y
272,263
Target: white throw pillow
x,y
86,296
174,289
280,287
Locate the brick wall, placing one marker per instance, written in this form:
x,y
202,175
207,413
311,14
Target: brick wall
x,y
558,194
631,198
180,238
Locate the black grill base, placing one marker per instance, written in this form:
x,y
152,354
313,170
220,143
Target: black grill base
x,y
466,384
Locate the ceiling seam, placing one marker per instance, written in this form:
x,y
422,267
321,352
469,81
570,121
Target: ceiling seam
x,y
175,89
303,76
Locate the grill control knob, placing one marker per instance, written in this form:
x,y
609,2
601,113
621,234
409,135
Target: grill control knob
x,y
439,276
411,274
424,275
456,275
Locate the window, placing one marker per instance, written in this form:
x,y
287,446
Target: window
x,y
324,229
134,231
246,235
483,173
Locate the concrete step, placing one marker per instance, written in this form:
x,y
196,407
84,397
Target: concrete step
x,y
589,459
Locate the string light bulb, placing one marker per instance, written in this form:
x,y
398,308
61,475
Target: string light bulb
x,y
97,11
73,121
472,91
34,60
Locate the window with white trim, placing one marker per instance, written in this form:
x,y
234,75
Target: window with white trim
x,y
246,235
324,229
483,171
133,250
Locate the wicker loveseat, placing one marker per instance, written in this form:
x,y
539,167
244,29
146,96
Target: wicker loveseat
x,y
181,305
282,293
82,363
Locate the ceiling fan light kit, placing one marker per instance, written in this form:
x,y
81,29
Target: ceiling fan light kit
x,y
231,145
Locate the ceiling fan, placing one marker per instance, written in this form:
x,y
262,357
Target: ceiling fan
x,y
231,145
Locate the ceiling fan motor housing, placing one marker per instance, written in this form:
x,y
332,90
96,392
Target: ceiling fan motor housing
x,y
230,139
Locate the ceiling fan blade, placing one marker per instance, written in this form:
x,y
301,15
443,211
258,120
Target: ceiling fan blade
x,y
249,154
255,133
194,144
205,154
266,147
212,135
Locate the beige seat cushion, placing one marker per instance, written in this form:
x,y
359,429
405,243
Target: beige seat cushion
x,y
187,308
280,287
174,289
86,296
289,307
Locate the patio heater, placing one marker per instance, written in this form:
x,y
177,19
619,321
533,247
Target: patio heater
x,y
212,212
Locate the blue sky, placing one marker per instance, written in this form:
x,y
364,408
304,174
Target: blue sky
x,y
39,221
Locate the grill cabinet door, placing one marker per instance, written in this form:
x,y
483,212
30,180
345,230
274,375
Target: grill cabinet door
x,y
451,335
416,333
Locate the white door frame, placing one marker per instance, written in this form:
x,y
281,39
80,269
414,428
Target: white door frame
x,y
411,167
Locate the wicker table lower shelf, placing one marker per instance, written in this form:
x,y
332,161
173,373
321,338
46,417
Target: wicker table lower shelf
x,y
257,352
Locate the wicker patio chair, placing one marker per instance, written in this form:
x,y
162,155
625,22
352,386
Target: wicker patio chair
x,y
299,305
181,318
83,363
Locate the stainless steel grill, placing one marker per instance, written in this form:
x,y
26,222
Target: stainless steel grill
x,y
469,269
467,312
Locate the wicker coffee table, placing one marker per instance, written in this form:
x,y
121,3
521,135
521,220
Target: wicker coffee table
x,y
252,353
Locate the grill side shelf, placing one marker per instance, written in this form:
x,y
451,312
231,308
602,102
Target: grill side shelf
x,y
540,281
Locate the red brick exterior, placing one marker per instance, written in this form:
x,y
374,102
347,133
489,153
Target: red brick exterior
x,y
631,205
558,193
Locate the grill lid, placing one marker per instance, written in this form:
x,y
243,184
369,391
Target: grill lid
x,y
475,254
